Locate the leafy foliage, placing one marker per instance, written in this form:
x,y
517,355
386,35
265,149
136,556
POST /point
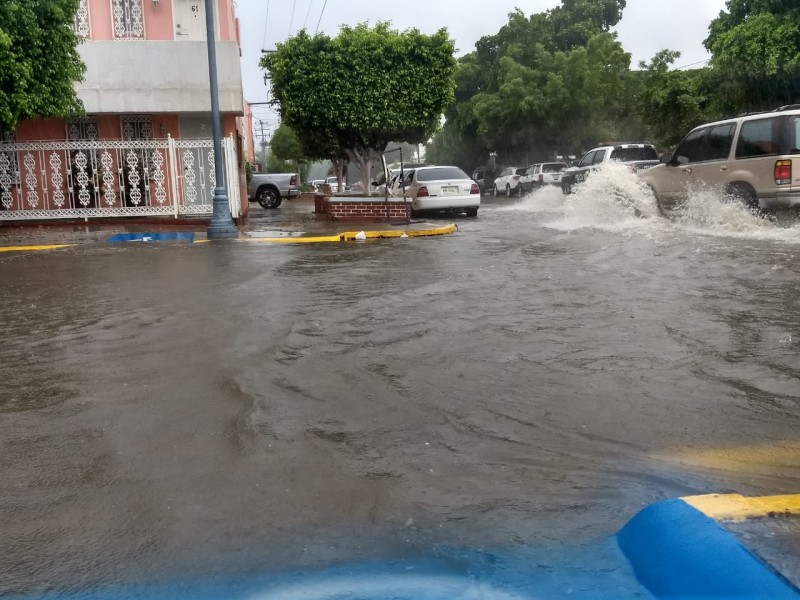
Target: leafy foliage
x,y
355,93
285,145
756,54
39,61
670,102
554,81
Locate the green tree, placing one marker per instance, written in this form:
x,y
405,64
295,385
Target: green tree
x,y
362,89
39,61
285,144
551,81
671,102
755,48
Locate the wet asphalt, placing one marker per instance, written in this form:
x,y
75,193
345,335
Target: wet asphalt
x,y
175,410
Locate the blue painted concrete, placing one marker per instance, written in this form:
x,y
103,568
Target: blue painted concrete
x,y
678,552
170,236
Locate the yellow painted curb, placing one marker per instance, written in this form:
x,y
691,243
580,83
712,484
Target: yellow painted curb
x,y
33,248
349,236
735,507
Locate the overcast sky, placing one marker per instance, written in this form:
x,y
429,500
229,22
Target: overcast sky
x,y
647,26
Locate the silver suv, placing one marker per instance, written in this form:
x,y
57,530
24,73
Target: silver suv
x,y
754,158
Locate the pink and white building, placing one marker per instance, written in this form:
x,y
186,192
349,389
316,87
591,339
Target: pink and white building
x,y
144,146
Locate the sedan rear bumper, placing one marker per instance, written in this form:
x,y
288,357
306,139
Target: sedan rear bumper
x,y
445,202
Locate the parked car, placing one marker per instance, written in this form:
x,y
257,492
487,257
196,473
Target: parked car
x,y
334,183
636,156
541,174
753,158
435,189
508,181
484,177
269,189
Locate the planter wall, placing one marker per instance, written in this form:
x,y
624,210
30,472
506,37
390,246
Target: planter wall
x,y
371,209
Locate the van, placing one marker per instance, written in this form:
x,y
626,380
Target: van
x,y
753,158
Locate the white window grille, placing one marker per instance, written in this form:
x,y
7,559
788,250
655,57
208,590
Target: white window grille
x,y
128,19
82,129
137,127
82,25
10,178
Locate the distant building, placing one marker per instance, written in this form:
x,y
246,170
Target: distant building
x,y
144,147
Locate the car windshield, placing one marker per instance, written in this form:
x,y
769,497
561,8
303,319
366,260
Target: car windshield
x,y
438,173
631,154
553,167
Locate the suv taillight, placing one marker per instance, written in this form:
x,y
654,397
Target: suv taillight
x,y
474,189
515,178
541,178
783,172
293,181
422,192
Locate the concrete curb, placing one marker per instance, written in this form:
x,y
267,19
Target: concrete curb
x,y
350,236
34,248
678,550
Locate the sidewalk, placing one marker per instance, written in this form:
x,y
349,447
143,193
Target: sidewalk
x,y
294,222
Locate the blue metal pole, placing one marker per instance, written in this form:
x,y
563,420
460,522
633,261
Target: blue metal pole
x,y
221,225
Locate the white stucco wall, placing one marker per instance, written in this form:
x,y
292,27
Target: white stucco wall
x,y
158,77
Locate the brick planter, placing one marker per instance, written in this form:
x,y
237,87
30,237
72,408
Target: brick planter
x,y
370,209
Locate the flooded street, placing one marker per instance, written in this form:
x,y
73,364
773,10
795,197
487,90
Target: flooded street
x,y
535,379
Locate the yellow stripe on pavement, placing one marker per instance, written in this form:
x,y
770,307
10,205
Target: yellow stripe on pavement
x,y
735,507
33,248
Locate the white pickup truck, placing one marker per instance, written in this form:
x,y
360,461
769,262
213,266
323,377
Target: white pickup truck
x,y
269,189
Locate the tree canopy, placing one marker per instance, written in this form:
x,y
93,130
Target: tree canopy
x,y
355,93
39,61
551,81
756,54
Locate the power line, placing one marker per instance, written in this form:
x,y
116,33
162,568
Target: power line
x,y
266,21
699,62
308,12
320,16
291,21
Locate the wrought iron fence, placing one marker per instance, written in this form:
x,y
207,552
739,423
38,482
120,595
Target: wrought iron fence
x,y
53,180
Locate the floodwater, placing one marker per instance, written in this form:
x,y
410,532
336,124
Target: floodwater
x,y
171,411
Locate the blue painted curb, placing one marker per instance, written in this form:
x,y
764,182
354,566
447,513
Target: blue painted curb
x,y
678,552
171,236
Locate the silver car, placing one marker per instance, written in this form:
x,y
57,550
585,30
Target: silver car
x,y
435,189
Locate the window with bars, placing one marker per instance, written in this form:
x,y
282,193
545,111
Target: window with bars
x,y
9,170
137,127
82,129
128,19
82,24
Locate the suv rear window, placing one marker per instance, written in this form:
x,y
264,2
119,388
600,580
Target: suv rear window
x,y
553,167
437,173
759,138
631,154
794,135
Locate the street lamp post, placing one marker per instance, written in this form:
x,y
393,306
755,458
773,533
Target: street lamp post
x,y
221,225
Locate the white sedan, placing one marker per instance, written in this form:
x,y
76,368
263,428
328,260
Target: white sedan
x,y
437,189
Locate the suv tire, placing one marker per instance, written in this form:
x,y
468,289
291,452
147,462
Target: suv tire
x,y
741,192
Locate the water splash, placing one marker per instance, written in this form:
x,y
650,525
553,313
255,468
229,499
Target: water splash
x,y
615,199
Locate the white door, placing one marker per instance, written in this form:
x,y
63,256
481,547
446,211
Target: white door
x,y
190,20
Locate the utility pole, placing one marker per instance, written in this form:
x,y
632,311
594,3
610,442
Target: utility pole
x,y
221,225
